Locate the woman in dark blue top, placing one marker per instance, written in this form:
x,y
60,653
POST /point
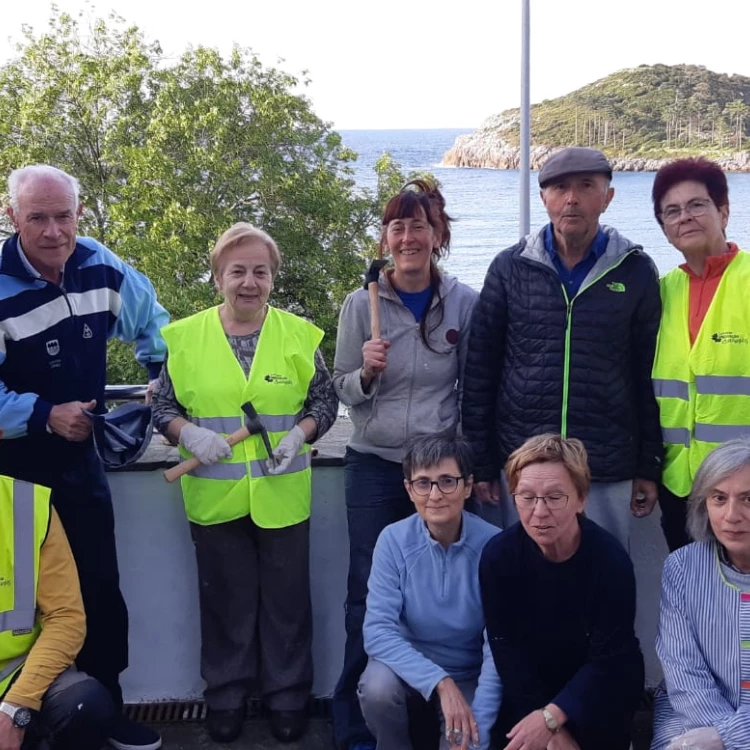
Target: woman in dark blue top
x,y
559,597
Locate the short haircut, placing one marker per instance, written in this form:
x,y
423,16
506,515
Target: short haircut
x,y
700,169
239,234
19,177
426,451
551,449
717,466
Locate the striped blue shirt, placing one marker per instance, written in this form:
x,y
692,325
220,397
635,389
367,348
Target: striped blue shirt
x,y
703,643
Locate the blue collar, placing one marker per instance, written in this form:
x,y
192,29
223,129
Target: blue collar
x,y
597,249
13,262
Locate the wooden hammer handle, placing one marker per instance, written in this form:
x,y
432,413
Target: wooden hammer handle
x,y
372,289
193,463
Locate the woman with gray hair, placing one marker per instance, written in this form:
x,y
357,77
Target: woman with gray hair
x,y
249,511
704,630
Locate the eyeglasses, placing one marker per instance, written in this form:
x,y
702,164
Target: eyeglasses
x,y
445,483
696,207
554,501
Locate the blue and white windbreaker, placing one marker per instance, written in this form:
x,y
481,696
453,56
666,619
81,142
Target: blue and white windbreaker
x,y
53,339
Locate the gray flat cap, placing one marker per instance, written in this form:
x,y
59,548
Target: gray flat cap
x,y
574,160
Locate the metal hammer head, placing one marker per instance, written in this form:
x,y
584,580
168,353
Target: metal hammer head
x,y
255,426
252,420
374,271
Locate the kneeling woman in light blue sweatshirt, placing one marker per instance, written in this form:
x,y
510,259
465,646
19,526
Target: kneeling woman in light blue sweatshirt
x,y
424,625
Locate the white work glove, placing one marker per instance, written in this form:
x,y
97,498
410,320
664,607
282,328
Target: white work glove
x,y
289,446
703,738
206,445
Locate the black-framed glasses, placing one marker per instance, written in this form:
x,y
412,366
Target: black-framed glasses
x,y
554,501
445,483
695,207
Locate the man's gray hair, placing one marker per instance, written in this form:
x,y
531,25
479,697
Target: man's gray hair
x,y
19,177
721,463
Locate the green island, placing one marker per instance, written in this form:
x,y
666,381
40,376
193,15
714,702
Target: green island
x,y
639,117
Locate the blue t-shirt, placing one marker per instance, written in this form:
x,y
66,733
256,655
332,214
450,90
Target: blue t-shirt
x,y
417,302
572,278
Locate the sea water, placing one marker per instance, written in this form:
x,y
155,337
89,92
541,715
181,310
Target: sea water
x,y
485,203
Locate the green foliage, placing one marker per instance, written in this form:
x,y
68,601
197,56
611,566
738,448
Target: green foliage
x,y
171,153
651,111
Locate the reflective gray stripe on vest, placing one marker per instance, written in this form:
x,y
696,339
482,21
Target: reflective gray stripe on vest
x,y
299,463
723,385
23,614
676,435
220,471
12,666
720,433
257,469
272,422
671,389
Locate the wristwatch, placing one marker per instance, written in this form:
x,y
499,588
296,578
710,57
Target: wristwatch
x,y
20,715
550,721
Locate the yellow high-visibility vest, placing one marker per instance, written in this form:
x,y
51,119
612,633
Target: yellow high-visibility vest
x,y
210,384
24,520
703,391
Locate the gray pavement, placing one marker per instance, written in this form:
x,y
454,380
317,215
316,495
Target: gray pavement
x,y
256,736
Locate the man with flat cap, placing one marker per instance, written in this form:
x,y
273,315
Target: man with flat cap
x,y
562,341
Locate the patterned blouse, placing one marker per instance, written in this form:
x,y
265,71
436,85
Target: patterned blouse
x,y
321,403
703,643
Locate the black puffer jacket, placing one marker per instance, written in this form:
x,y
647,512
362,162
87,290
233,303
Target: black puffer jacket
x,y
525,375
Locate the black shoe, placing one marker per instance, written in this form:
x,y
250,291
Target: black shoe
x,y
225,725
288,726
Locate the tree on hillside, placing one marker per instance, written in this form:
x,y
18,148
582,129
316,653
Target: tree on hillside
x,y
736,113
171,153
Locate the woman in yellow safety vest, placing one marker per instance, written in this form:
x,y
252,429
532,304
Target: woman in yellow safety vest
x,y
701,371
248,511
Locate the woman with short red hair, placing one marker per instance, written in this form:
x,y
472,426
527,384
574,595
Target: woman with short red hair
x,y
701,371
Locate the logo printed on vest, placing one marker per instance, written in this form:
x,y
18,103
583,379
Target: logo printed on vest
x,y
22,631
616,286
4,582
273,377
87,332
53,347
727,337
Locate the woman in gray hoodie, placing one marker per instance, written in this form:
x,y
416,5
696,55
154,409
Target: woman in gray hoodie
x,y
406,383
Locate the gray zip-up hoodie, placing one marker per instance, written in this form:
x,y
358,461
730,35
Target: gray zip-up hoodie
x,y
419,391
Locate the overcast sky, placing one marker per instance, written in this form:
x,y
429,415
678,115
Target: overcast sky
x,y
431,64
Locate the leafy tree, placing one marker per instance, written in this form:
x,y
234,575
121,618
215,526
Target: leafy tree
x,y
170,154
736,112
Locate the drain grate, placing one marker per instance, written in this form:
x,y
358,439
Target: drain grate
x,y
187,711
166,711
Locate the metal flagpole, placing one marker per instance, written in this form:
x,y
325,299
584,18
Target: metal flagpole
x,y
525,165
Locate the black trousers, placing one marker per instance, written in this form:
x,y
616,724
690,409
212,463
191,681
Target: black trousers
x,y
81,497
256,614
673,519
77,714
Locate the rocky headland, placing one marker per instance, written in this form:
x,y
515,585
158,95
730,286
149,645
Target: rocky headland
x,y
641,118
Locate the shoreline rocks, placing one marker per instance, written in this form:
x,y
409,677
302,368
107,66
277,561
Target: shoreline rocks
x,y
485,149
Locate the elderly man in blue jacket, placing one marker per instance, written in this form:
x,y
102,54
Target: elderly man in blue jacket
x,y
62,297
562,340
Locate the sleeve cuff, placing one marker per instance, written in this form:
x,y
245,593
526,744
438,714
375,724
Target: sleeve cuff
x,y
154,370
39,417
649,469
